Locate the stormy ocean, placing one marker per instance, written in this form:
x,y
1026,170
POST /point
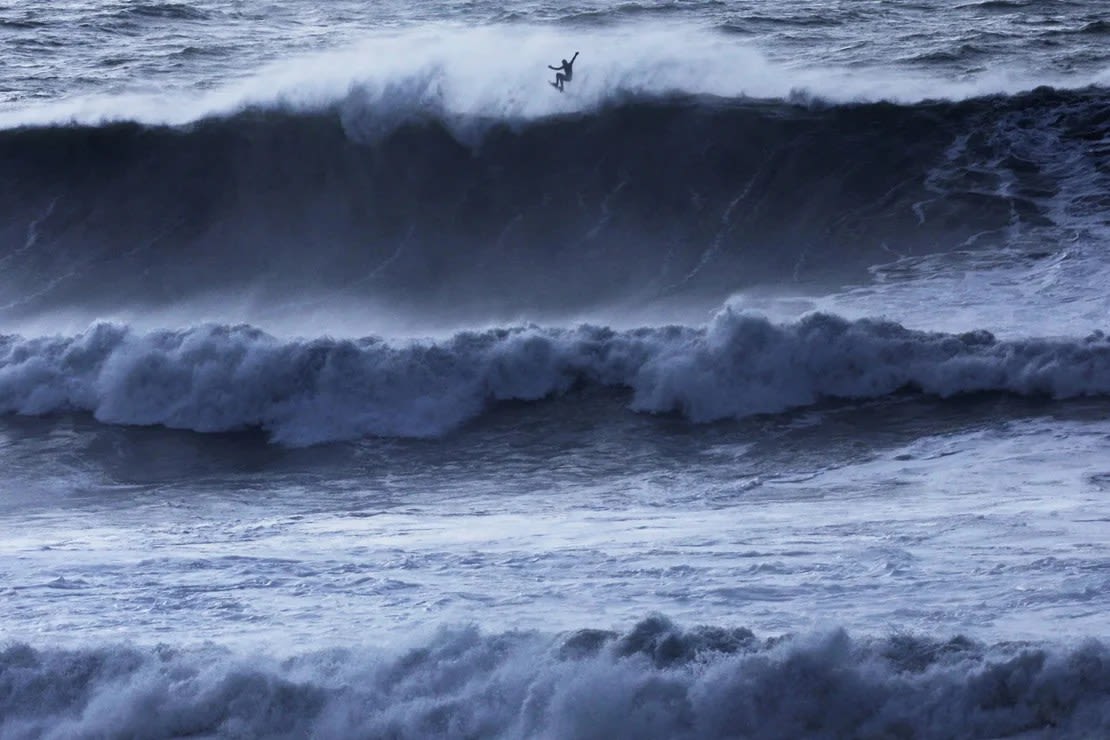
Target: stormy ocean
x,y
356,383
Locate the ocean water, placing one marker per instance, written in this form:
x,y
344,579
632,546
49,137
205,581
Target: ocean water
x,y
356,383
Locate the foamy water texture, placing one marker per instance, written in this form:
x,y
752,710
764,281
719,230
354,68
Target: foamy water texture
x,y
656,681
491,72
218,378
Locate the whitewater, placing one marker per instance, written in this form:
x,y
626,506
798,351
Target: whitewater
x,y
355,383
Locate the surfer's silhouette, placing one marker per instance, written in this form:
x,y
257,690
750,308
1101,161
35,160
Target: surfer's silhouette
x,y
566,72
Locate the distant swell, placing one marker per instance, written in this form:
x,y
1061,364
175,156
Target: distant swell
x,y
218,378
656,681
393,200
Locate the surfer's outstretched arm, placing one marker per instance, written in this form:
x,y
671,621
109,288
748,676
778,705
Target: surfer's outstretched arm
x,y
554,68
574,57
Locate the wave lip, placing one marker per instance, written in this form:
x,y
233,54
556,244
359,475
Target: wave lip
x,y
655,681
499,71
220,378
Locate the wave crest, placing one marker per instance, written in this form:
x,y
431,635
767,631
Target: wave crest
x,y
656,681
218,378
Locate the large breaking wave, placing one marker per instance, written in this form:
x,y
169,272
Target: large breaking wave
x,y
655,681
388,198
218,378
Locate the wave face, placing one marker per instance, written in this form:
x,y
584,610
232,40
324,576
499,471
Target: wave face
x,y
656,681
389,198
220,378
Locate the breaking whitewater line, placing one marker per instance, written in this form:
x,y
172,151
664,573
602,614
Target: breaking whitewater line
x,y
218,378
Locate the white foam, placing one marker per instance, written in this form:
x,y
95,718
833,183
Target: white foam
x,y
656,681
215,378
500,71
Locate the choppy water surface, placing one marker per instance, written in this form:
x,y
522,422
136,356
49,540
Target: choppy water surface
x,y
356,383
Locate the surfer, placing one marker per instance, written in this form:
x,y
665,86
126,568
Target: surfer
x,y
566,72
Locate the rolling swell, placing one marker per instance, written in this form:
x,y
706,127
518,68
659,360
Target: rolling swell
x,y
655,681
399,203
221,378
